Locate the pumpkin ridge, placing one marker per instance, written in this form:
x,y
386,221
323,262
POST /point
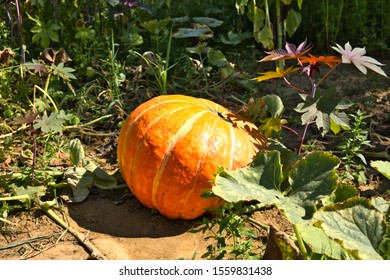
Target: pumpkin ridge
x,y
200,162
132,161
233,140
180,134
133,122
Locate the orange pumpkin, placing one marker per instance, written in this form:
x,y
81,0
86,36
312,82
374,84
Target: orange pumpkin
x,y
169,148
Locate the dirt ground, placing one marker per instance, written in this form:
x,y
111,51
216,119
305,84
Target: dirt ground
x,y
117,225
121,228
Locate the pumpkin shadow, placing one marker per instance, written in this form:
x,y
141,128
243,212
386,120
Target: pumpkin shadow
x,y
124,217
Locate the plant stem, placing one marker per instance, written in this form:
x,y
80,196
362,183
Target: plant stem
x,y
294,87
302,138
20,25
290,129
45,94
327,74
279,24
301,245
88,123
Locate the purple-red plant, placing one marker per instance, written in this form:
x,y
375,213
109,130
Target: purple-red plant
x,y
319,107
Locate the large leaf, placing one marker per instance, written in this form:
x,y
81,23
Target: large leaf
x,y
382,167
310,179
185,32
265,37
320,243
293,21
358,229
211,22
244,184
313,178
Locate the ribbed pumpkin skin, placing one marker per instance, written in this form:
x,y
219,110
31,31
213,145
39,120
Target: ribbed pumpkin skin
x,y
170,147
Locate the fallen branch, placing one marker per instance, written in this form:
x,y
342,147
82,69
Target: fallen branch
x,y
94,252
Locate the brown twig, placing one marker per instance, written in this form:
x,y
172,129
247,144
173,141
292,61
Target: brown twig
x,y
94,252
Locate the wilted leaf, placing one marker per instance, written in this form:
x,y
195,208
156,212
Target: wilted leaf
x,y
28,118
52,56
31,191
80,180
380,204
280,246
101,179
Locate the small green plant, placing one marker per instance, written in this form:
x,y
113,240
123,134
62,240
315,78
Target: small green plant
x,y
353,143
229,230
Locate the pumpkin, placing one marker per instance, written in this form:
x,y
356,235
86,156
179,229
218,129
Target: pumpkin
x,y
170,147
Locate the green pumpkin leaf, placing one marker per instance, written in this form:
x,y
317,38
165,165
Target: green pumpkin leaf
x,y
198,49
310,179
358,229
245,184
156,26
313,178
382,166
233,38
320,243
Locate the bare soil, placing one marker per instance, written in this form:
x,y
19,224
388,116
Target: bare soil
x,y
121,228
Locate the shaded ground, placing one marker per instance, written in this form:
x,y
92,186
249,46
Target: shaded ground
x,y
121,228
